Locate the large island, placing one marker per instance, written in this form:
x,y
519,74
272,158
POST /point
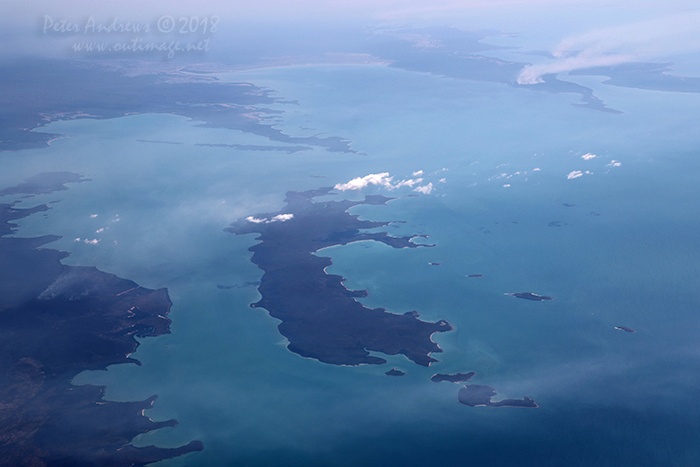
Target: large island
x,y
320,317
57,321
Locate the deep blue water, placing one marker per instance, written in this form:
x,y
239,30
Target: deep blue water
x,y
626,254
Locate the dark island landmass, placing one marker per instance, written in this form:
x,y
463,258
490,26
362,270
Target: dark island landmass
x,y
395,372
624,328
320,317
44,183
456,378
34,92
257,147
475,395
529,296
57,321
475,275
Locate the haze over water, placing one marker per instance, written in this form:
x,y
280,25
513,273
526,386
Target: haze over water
x,y
624,255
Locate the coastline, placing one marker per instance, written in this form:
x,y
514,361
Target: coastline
x,y
85,319
320,316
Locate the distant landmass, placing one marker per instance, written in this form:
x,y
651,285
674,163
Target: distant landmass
x,y
475,395
456,378
460,56
58,321
44,183
257,147
34,92
320,317
529,296
651,76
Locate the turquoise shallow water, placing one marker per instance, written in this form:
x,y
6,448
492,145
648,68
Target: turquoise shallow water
x,y
624,255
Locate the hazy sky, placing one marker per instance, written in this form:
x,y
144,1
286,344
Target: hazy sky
x,y
319,9
579,32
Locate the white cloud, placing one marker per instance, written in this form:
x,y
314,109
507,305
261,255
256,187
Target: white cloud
x,y
381,179
614,163
426,189
507,185
418,174
588,156
409,182
536,169
577,174
360,182
277,218
93,215
501,175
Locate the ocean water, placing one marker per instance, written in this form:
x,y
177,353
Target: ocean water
x,y
622,252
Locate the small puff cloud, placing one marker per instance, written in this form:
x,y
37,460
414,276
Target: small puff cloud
x,y
94,241
277,218
426,189
410,182
588,156
359,183
577,174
